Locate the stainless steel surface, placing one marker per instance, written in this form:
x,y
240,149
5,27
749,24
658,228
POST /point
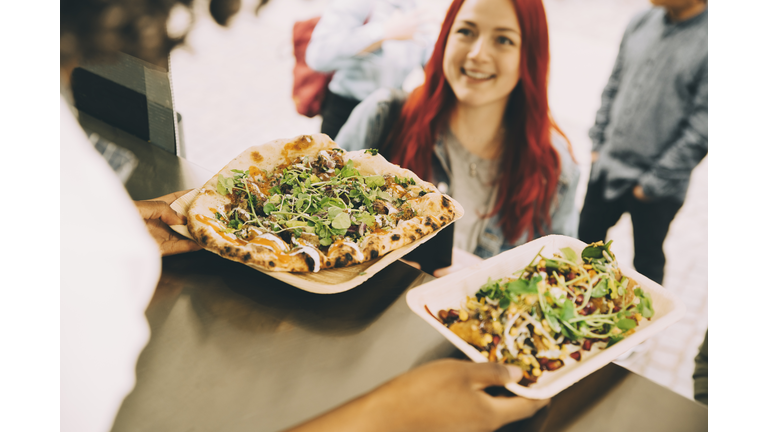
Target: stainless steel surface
x,y
614,399
233,349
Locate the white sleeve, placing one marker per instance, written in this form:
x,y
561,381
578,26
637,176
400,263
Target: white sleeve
x,y
110,266
340,34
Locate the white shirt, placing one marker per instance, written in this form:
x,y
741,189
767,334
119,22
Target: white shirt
x,y
110,266
340,35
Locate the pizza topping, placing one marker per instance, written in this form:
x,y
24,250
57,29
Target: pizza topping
x,y
553,312
321,200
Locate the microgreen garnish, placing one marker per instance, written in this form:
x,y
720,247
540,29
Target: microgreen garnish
x,y
322,197
579,296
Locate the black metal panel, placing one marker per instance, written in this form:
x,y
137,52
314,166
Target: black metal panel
x,y
111,102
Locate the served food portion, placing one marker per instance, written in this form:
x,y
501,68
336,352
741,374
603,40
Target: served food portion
x,y
304,204
552,312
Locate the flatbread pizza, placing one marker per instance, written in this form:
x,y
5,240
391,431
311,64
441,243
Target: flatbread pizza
x,y
304,204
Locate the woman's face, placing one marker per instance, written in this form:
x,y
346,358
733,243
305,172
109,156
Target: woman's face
x,y
482,54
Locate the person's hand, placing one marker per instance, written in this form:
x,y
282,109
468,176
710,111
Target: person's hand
x,y
403,26
445,395
460,260
449,395
639,194
595,156
158,214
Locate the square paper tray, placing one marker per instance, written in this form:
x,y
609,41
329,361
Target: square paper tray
x,y
451,292
328,281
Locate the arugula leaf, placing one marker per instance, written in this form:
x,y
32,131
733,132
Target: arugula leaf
x,y
341,221
334,211
601,289
490,289
349,170
626,324
570,254
225,185
646,304
595,251
567,332
522,286
614,340
504,302
568,310
551,264
269,208
554,324
366,218
375,181
384,195
326,241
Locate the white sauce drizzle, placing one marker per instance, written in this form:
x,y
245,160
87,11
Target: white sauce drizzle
x,y
390,209
312,252
277,240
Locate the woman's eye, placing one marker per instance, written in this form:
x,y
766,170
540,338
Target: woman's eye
x,y
464,31
505,40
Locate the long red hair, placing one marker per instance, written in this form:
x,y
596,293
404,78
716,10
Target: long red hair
x,y
530,166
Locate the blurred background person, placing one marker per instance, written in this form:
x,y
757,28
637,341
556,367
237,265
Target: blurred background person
x,y
701,372
481,130
107,282
367,44
651,129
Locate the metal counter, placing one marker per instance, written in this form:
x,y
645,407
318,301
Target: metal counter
x,y
233,349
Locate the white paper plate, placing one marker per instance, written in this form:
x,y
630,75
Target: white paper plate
x,y
452,291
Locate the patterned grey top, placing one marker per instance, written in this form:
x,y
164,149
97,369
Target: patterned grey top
x,y
651,128
473,183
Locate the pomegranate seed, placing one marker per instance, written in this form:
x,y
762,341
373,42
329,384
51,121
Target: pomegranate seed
x,y
576,355
587,345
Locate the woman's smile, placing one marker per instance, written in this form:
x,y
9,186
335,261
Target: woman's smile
x,y
475,75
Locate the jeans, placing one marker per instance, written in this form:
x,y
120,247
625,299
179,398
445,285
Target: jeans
x,y
335,112
650,224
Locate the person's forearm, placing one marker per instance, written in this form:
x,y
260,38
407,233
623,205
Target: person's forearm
x,y
359,415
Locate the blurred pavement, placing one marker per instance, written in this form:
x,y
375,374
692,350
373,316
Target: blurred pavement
x,y
233,88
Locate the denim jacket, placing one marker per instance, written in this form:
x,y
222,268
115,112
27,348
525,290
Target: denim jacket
x,y
369,124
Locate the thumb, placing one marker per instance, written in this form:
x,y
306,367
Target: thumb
x,y
490,374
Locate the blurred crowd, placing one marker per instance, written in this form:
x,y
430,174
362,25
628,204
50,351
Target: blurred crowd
x,y
457,93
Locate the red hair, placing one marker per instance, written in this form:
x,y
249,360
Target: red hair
x,y
530,165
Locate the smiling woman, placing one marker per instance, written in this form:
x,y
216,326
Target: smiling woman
x,y
480,126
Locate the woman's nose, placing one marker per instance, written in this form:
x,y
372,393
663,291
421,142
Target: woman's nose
x,y
479,50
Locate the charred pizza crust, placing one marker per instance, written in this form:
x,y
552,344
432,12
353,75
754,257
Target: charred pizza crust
x,y
267,251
